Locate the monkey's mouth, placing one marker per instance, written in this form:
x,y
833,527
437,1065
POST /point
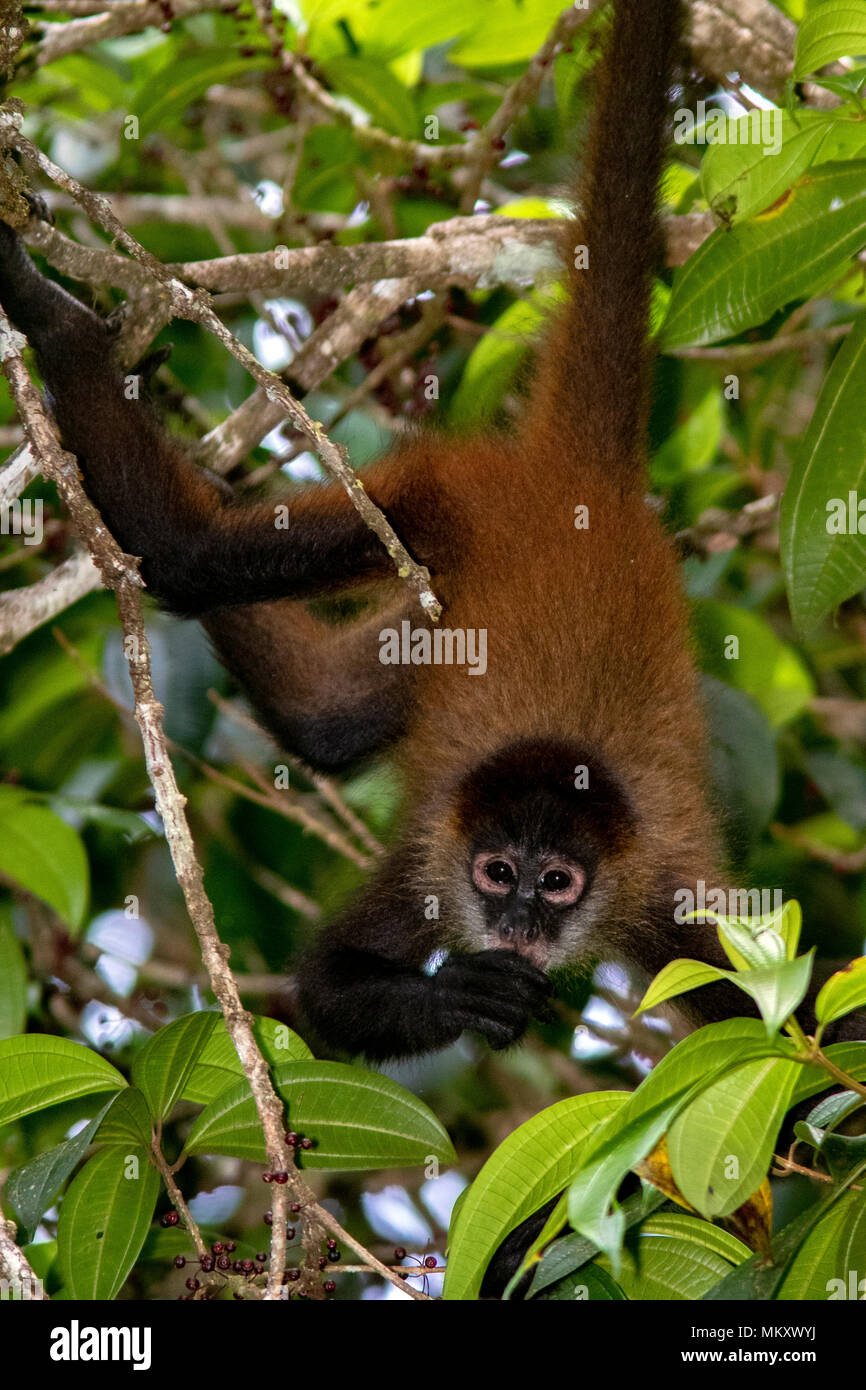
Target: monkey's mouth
x,y
537,952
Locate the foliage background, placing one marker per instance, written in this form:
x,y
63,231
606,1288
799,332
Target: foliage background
x,y
788,718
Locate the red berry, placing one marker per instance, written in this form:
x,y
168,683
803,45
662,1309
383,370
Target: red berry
x,y
261,1258
206,1264
171,1218
399,1253
268,1218
431,1261
231,1246
306,1143
294,1207
294,1275
217,1247
292,1138
193,1284
223,1262
281,1178
290,1233
329,1286
179,1261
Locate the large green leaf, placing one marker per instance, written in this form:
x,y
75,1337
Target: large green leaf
x,y
104,1219
356,1119
162,1067
720,1146
829,32
218,1064
13,978
823,567
530,1166
741,178
37,1070
737,279
43,855
31,1189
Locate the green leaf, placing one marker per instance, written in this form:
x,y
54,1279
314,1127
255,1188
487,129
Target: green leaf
x,y
43,855
104,1220
32,1188
218,1064
739,278
825,566
721,1144
843,992
742,175
497,358
778,989
530,1166
13,978
740,647
162,1067
833,1251
509,32
168,92
374,88
37,1070
357,1119
829,32
678,977
128,1122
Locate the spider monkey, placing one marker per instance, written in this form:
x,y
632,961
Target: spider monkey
x,y
554,804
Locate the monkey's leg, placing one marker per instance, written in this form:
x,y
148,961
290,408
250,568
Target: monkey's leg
x,y
199,551
364,987
321,690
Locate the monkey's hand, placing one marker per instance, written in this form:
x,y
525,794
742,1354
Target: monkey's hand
x,y
494,993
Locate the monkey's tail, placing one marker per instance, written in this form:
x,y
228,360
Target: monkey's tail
x,y
592,380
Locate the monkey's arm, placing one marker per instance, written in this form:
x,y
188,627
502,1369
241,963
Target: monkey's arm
x,y
199,550
364,987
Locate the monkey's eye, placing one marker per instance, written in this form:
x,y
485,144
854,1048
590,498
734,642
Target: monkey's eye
x,y
493,873
562,884
555,881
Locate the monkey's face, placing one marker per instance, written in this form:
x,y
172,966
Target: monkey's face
x,y
526,894
542,827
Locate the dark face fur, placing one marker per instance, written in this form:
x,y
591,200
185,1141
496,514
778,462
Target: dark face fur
x,y
538,848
